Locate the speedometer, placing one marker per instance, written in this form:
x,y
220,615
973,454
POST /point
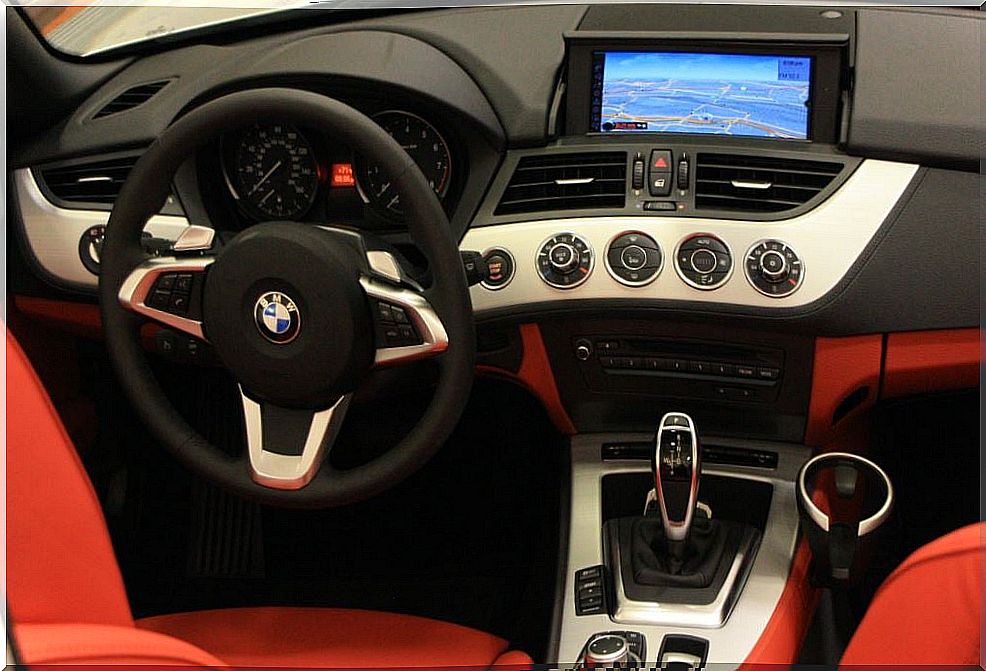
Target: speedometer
x,y
423,143
275,171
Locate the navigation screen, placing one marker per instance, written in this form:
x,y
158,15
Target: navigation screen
x,y
681,92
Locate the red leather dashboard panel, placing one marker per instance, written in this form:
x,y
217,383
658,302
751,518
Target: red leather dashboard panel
x,y
930,361
842,365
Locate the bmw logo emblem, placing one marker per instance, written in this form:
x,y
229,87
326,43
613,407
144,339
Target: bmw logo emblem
x,y
277,317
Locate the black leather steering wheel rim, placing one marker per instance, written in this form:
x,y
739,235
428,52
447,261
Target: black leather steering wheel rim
x,y
143,194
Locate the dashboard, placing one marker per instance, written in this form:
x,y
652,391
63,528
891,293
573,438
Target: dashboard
x,y
682,199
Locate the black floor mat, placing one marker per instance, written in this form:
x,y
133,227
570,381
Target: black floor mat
x,y
471,538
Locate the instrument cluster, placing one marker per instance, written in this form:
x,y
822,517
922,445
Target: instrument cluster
x,y
276,171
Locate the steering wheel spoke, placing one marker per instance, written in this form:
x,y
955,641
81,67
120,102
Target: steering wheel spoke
x,y
407,327
168,289
286,446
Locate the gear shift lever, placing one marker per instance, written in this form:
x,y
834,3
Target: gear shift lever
x,y
676,466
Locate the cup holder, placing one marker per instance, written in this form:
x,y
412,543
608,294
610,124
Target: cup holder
x,y
843,499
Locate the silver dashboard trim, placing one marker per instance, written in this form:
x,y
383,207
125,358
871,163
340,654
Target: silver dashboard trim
x,y
830,237
53,233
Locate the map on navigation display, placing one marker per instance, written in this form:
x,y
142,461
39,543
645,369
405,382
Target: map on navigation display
x,y
681,92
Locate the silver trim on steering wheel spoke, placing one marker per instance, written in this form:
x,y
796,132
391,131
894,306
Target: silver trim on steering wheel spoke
x,y
285,471
434,337
135,289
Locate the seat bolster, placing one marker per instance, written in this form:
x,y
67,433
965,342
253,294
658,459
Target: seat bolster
x,y
96,646
927,611
60,562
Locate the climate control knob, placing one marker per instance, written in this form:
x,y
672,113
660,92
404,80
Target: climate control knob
x,y
565,261
704,261
774,269
634,259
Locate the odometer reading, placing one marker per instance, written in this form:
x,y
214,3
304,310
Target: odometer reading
x,y
276,171
424,144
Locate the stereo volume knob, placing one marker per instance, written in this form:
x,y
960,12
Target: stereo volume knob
x,y
774,269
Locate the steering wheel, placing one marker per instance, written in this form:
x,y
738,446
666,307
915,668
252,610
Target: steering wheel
x,y
299,314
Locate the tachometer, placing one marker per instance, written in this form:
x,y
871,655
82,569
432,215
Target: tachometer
x,y
424,144
275,171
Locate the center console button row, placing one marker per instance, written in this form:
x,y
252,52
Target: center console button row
x,y
713,368
590,592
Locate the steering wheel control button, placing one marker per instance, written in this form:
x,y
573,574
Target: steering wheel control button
x,y
277,317
499,268
394,327
565,261
634,259
704,262
172,293
774,269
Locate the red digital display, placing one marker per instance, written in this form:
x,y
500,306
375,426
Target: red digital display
x,y
342,174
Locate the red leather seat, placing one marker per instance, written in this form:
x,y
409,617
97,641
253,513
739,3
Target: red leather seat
x,y
67,602
927,611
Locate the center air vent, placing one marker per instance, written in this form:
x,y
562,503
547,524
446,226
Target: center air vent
x,y
742,183
132,97
98,182
566,182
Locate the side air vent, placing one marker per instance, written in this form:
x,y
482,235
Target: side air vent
x,y
566,182
759,184
98,182
131,98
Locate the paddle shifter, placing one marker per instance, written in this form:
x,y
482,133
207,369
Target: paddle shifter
x,y
676,466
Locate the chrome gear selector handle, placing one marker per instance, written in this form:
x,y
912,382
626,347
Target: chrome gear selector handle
x,y
676,466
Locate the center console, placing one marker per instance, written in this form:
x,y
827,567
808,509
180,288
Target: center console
x,y
693,177
713,579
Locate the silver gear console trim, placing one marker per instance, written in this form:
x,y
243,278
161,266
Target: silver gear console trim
x,y
754,604
53,233
830,237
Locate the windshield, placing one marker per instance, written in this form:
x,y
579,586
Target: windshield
x,y
93,26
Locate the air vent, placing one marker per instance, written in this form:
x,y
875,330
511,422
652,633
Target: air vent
x,y
131,98
566,182
88,183
742,183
